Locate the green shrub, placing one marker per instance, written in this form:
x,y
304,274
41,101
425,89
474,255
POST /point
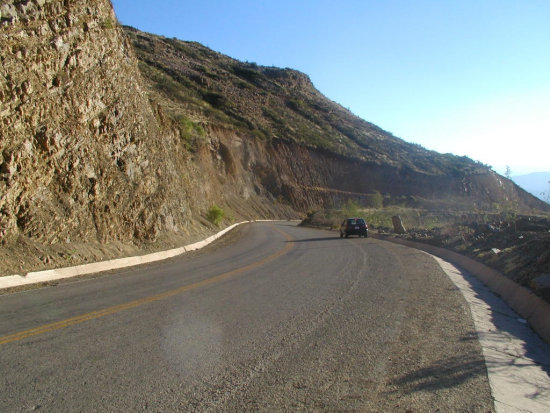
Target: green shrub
x,y
190,131
297,105
249,72
108,24
375,200
215,99
215,215
350,208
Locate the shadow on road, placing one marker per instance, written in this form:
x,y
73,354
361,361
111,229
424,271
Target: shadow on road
x,y
314,239
442,374
516,359
337,237
521,344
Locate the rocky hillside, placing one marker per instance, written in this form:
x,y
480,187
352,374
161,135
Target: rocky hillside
x,y
99,147
321,152
86,155
78,160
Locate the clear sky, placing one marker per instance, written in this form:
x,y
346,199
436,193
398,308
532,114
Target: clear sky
x,y
469,77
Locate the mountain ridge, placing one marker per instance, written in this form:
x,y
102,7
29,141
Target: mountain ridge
x,y
536,183
273,104
185,62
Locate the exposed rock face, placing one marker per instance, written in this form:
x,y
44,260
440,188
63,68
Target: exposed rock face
x,y
83,154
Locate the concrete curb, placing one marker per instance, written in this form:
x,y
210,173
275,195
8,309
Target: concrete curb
x,y
95,267
524,302
515,357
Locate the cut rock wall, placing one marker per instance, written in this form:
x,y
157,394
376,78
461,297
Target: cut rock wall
x,y
83,155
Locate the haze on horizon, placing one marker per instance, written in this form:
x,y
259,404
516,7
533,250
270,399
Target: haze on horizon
x,y
470,78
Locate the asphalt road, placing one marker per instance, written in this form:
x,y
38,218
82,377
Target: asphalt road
x,y
272,317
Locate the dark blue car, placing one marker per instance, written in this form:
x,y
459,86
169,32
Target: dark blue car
x,y
354,226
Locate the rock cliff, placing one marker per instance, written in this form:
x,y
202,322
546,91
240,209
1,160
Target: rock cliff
x,y
97,146
83,153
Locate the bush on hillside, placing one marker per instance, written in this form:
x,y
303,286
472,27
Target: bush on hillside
x,y
350,208
215,215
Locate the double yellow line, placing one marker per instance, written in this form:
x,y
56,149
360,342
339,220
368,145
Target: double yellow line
x,y
146,300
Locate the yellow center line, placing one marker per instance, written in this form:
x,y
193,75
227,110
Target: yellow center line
x,y
146,300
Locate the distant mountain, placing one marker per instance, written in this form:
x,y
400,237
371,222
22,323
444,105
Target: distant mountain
x,y
537,183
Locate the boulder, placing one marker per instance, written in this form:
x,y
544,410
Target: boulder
x,y
398,227
7,12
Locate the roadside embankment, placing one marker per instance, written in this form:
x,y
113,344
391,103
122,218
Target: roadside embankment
x,y
40,277
37,277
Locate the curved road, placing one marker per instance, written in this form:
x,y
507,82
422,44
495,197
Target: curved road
x,y
271,317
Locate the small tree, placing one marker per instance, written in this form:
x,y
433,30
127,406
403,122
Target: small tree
x,y
508,173
375,200
350,208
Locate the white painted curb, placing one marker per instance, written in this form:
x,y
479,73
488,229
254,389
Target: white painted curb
x,y
95,267
516,370
523,301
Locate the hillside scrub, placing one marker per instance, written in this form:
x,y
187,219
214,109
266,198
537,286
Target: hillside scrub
x,y
274,105
381,218
215,215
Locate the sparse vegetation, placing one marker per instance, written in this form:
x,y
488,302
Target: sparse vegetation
x,y
229,93
375,200
350,208
217,100
190,131
108,24
270,103
248,72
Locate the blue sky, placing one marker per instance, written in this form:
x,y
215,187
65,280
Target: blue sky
x,y
466,77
